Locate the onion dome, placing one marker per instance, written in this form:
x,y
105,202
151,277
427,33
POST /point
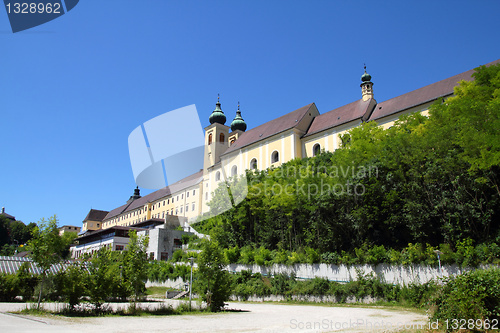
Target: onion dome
x,y
366,77
217,115
238,123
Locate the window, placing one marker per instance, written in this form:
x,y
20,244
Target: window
x,y
316,149
194,192
187,208
168,201
192,207
275,157
234,171
253,164
182,196
181,210
221,137
232,141
206,195
187,194
210,139
119,247
217,176
163,202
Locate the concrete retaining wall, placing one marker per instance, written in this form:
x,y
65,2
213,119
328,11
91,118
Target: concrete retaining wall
x,y
400,275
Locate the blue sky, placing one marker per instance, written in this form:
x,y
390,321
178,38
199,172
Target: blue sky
x,y
73,89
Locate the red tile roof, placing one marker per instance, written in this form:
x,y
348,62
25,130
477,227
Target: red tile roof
x,y
356,110
278,125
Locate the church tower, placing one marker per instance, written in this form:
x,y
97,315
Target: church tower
x,y
216,137
238,126
366,86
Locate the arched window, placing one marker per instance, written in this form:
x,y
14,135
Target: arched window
x,y
234,171
232,141
217,176
275,157
210,139
316,149
253,164
221,137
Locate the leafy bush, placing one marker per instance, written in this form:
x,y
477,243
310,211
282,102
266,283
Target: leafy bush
x,y
473,295
9,287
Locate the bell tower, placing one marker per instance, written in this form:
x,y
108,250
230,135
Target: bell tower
x,y
366,86
216,137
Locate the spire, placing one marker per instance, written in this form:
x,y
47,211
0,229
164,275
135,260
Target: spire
x,y
238,123
366,86
217,115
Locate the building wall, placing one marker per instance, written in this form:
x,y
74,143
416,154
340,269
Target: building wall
x,y
217,167
114,243
387,122
163,242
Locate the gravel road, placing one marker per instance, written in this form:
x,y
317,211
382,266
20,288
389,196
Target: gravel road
x,y
254,317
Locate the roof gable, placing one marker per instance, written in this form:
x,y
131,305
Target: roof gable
x,y
96,215
356,110
275,126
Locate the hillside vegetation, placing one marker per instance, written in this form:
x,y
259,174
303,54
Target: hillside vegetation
x,y
427,180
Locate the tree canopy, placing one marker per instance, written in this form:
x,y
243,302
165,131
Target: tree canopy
x,y
429,180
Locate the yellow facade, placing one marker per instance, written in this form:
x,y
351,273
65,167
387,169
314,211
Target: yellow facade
x,y
229,153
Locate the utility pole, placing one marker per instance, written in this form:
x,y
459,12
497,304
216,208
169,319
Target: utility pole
x,y
439,262
191,283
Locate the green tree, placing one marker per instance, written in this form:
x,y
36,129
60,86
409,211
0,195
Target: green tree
x,y
135,264
73,284
46,248
213,283
104,274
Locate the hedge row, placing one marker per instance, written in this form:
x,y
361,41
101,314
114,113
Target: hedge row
x,y
464,253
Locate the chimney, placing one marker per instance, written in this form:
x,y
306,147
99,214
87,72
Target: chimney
x,y
3,210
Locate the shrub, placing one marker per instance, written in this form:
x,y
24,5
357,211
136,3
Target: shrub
x,y
9,287
465,253
247,255
312,256
473,295
280,256
27,282
232,255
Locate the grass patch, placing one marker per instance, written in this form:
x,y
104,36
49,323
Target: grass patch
x,y
157,291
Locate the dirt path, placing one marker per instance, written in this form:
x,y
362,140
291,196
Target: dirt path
x,y
255,317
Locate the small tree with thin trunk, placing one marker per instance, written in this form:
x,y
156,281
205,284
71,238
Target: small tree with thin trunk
x,y
135,264
46,247
213,282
